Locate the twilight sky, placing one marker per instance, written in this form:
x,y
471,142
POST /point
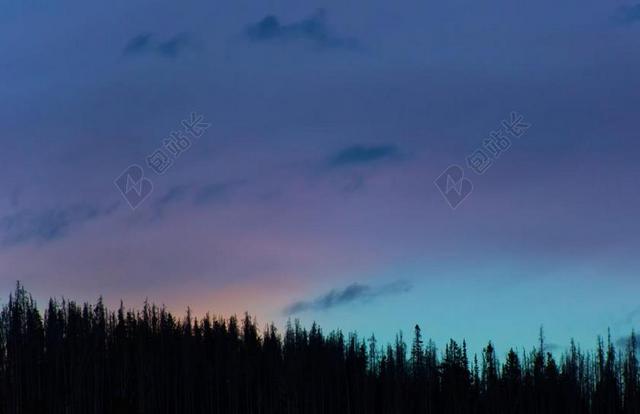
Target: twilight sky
x,y
311,194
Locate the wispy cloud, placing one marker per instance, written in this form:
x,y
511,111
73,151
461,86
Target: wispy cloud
x,y
138,44
46,225
174,46
353,293
628,14
215,191
359,154
171,48
198,195
175,194
313,29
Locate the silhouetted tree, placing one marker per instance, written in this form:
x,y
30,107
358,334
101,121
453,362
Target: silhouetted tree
x,y
79,359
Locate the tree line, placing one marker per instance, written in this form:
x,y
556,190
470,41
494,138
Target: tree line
x,y
87,359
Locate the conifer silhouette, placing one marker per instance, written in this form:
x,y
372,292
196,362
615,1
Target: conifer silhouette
x,y
86,359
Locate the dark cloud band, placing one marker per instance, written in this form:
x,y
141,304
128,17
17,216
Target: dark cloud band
x,y
352,293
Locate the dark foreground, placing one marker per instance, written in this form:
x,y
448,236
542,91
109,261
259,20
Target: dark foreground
x,y
86,359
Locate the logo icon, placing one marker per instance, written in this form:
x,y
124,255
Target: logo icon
x,y
133,185
453,185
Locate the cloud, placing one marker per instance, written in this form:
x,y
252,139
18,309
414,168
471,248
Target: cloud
x,y
47,225
202,195
138,44
174,195
628,14
215,191
313,29
353,293
359,154
172,48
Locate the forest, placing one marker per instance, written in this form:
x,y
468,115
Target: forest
x,y
83,358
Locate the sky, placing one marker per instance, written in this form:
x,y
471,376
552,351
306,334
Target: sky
x,y
294,160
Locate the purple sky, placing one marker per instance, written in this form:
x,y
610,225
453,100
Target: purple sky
x,y
313,189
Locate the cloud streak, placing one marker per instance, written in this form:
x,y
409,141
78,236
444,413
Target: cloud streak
x,y
46,225
197,195
313,29
174,195
171,48
353,293
359,154
628,14
138,44
216,191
